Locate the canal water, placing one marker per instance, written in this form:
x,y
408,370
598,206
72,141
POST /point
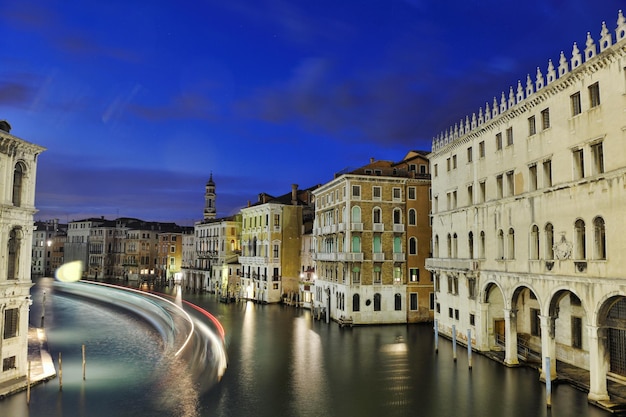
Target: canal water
x,y
281,362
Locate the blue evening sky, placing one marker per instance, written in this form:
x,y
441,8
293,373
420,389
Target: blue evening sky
x,y
139,101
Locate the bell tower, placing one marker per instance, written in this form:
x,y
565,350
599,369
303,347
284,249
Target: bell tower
x,y
209,199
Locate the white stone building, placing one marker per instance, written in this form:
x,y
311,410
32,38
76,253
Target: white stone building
x,y
18,167
528,218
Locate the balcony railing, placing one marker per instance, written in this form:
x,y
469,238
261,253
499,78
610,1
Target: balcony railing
x,y
398,228
453,264
399,257
378,257
378,227
321,256
357,227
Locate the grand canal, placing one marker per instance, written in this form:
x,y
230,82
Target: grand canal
x,y
281,362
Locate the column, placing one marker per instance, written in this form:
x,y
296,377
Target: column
x,y
482,328
510,331
548,346
598,364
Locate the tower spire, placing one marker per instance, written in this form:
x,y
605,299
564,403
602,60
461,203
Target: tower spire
x,y
209,199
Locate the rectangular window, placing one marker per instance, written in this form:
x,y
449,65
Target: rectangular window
x,y
356,191
436,169
172,261
423,169
545,119
472,319
469,154
275,251
499,141
532,177
453,161
11,322
413,301
376,193
276,220
598,158
510,188
8,364
431,304
482,191
579,164
594,95
509,136
397,195
575,100
577,332
470,195
450,312
547,173
414,274
411,193
456,314
532,128
499,186
448,164
481,149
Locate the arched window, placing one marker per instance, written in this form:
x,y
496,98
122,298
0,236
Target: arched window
x,y
376,215
397,302
511,244
15,238
549,251
599,238
356,214
397,216
580,251
412,217
18,178
470,244
397,245
377,302
500,244
377,244
356,244
534,242
449,245
356,275
436,246
356,302
412,246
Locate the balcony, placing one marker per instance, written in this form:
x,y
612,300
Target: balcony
x,y
378,227
378,257
350,257
357,227
398,228
341,227
321,256
453,264
399,257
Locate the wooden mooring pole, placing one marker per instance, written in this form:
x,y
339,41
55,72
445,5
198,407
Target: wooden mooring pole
x,y
84,362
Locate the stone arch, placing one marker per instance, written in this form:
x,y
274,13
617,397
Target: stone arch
x,y
611,321
493,295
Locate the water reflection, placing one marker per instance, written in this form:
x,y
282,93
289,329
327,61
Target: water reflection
x,y
309,379
280,363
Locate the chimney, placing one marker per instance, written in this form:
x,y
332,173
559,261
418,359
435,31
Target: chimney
x,y
371,160
294,194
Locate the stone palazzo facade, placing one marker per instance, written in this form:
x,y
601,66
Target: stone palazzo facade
x,y
528,218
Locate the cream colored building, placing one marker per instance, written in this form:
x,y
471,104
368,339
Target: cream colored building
x,y
528,217
270,246
18,165
366,273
